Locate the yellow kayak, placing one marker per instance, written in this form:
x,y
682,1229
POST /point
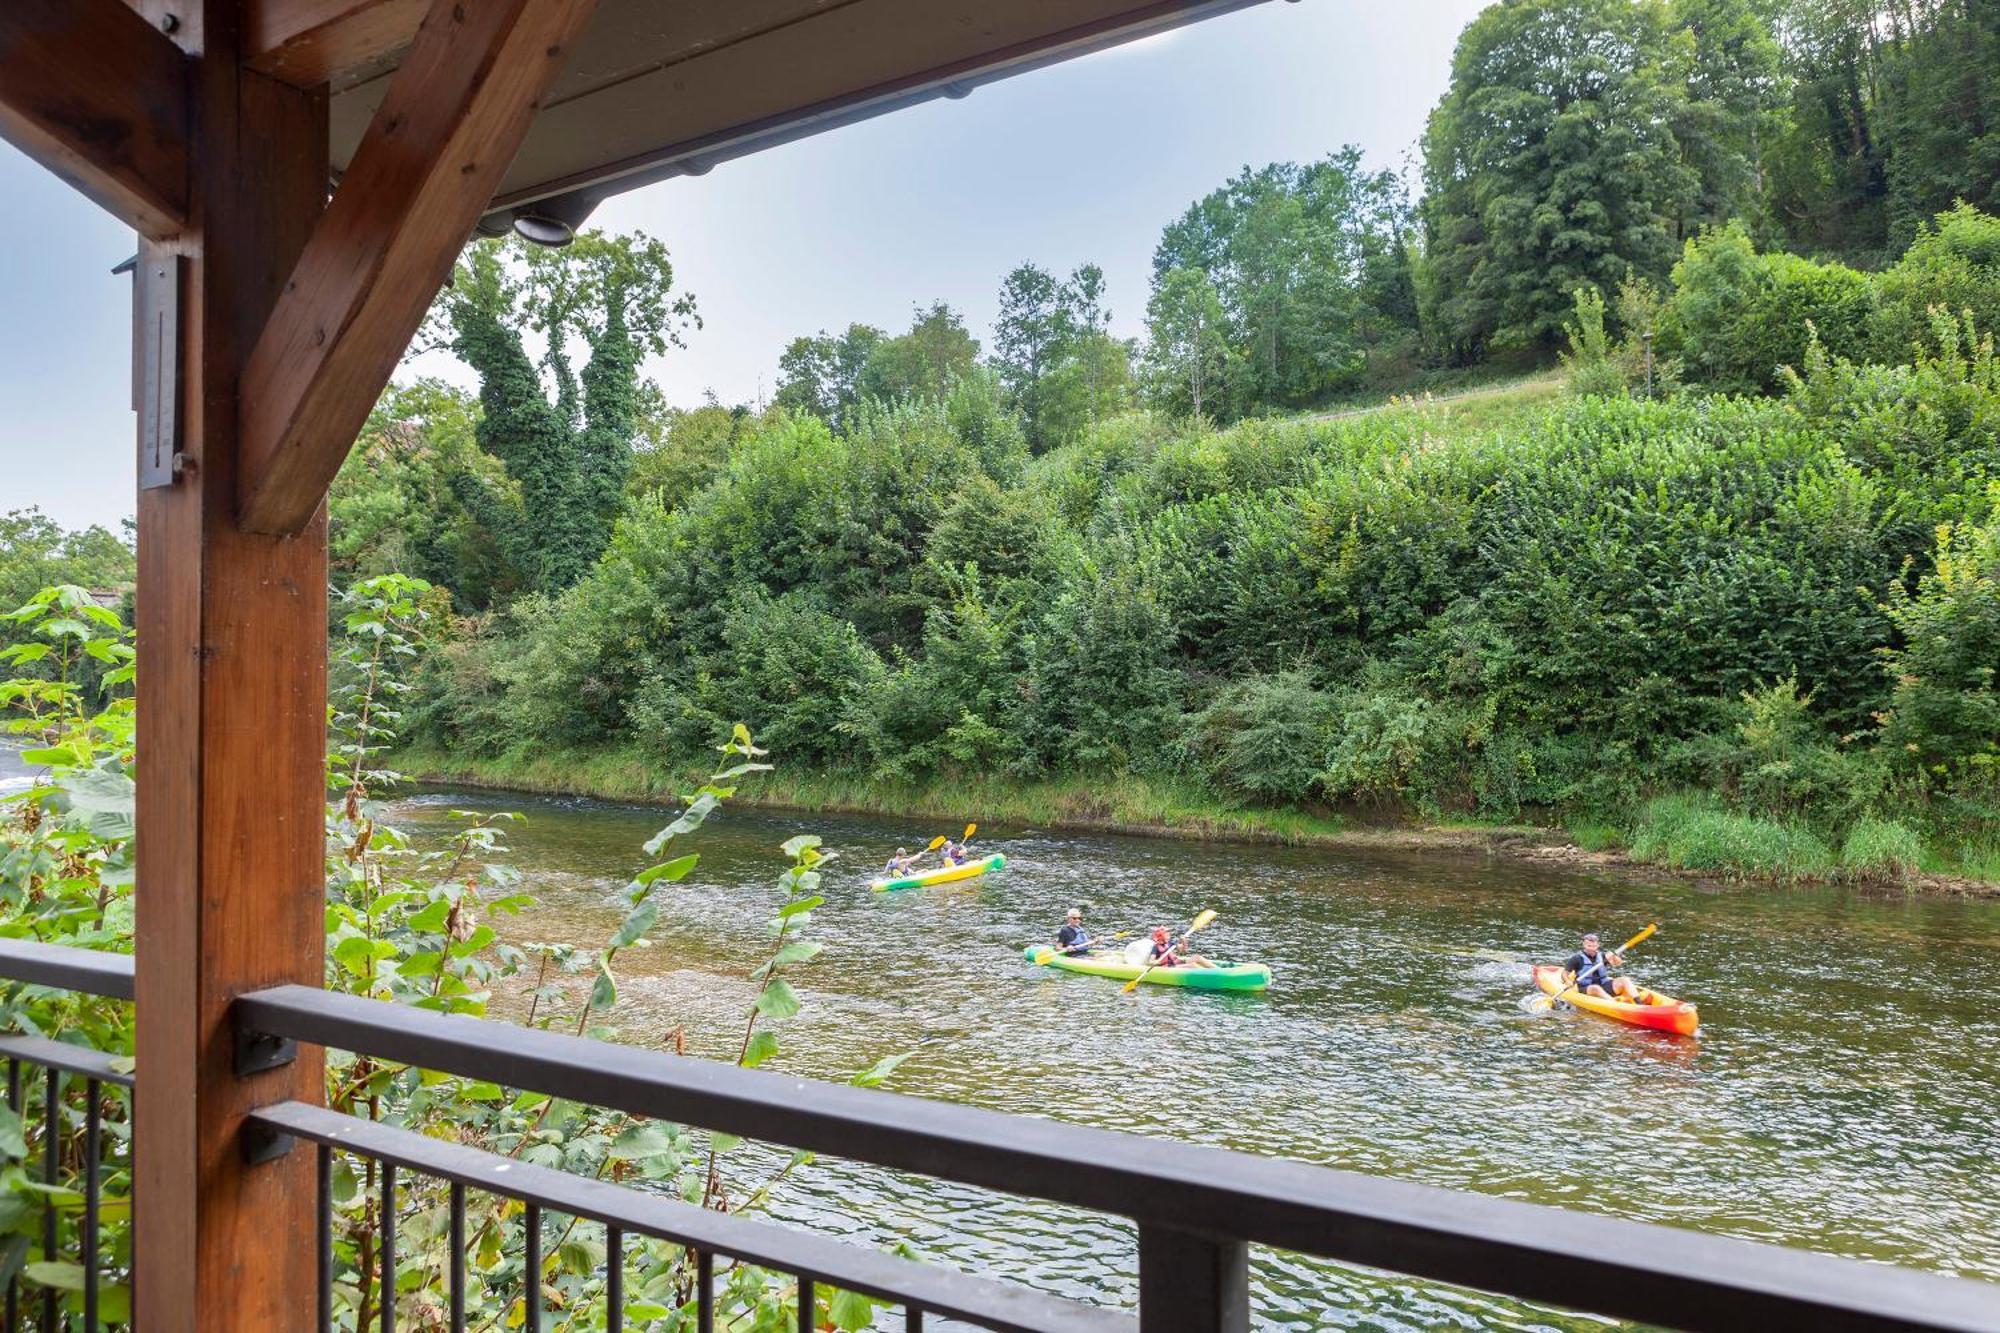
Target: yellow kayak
x,y
1662,1013
939,874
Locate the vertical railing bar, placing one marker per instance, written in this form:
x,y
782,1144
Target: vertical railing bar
x,y
704,1289
531,1293
614,1280
51,1164
92,1091
324,1247
913,1319
806,1303
13,1311
388,1247
457,1257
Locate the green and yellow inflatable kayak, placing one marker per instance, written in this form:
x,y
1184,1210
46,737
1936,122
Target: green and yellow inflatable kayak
x,y
1223,976
940,874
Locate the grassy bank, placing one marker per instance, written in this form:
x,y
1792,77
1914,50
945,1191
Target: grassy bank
x,y
1141,805
1686,835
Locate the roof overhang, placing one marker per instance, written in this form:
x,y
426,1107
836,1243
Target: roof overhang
x,y
656,90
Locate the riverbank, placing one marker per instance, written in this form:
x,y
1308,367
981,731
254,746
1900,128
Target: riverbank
x,y
1147,807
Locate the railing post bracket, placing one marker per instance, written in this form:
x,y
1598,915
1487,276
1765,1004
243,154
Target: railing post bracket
x,y
259,1052
262,1143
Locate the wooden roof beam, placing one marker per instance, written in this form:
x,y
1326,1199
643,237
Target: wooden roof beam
x,y
309,42
453,118
100,97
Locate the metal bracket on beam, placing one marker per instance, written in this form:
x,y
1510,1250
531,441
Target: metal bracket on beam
x,y
262,1143
257,1052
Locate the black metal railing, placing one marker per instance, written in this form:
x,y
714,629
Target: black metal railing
x,y
1197,1210
80,1169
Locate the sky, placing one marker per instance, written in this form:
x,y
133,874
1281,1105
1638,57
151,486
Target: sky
x,y
1083,162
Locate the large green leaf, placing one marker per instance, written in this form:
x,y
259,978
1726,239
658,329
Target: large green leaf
x,y
777,999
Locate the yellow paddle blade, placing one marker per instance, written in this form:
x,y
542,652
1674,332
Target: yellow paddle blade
x,y
1201,919
1640,938
970,829
936,843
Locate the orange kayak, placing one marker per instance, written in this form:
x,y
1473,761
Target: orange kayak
x,y
1662,1013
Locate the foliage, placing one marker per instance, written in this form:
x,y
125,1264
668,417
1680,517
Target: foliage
x,y
1309,270
1738,318
1265,736
1556,161
408,920
1944,715
564,435
1693,833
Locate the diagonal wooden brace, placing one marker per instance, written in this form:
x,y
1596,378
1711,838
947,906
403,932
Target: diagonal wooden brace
x,y
456,112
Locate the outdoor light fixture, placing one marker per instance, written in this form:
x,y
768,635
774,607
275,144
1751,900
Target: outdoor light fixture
x,y
543,229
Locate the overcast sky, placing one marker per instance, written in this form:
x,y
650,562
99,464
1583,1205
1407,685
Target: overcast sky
x,y
1085,161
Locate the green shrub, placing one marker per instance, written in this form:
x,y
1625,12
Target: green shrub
x,y
1954,266
1737,317
1591,364
1265,736
1881,849
1944,716
1696,833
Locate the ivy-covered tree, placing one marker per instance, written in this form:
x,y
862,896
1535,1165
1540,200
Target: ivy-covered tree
x,y
564,435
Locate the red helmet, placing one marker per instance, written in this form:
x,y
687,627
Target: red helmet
x,y
1160,934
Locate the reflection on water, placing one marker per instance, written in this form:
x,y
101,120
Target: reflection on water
x,y
1842,1095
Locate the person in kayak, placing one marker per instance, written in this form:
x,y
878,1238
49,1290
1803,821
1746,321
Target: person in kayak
x,y
1166,951
900,863
1071,937
1591,968
954,854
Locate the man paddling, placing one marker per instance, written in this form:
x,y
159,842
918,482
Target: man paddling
x,y
1071,937
1591,969
899,864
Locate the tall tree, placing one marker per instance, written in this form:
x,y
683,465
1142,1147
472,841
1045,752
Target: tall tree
x,y
565,436
924,363
821,374
1049,343
1187,346
1289,251
1552,164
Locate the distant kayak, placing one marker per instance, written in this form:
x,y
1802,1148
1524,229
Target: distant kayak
x,y
1223,976
1662,1013
940,874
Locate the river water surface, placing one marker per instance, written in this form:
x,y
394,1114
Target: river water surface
x,y
1844,1093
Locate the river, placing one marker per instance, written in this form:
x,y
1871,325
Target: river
x,y
1843,1095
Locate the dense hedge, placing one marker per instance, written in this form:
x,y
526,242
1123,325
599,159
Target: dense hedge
x,y
1611,597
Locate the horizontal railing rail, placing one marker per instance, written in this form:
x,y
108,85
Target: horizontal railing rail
x,y
61,967
923,1288
1197,1209
1177,1192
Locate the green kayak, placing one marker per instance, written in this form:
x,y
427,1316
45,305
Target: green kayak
x,y
940,874
1223,976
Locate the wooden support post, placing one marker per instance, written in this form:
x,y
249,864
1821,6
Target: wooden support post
x,y
232,738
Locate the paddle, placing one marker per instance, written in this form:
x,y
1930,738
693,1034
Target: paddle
x,y
1049,951
935,843
1201,919
1544,1002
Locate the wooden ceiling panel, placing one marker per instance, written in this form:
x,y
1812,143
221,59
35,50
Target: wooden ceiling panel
x,y
656,89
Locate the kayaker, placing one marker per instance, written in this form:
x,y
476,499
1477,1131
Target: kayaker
x,y
1167,951
900,863
1590,969
954,854
1071,937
